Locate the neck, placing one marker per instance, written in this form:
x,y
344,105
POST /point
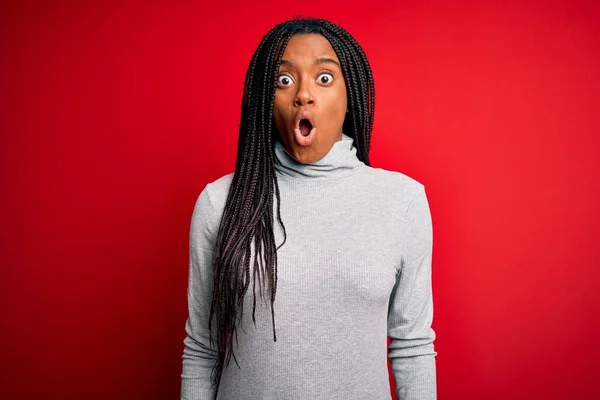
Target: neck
x,y
340,161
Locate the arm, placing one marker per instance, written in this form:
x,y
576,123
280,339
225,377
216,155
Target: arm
x,y
411,350
198,356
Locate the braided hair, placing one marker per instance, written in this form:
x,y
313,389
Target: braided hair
x,y
248,215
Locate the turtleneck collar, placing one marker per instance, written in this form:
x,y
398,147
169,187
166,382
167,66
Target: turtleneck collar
x,y
341,161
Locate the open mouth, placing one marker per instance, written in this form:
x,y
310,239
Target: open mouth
x,y
305,127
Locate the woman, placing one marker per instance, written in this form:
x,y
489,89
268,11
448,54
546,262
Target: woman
x,y
346,264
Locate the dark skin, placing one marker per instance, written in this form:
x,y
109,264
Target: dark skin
x,y
310,86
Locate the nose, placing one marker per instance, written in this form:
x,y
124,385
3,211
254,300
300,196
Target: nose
x,y
304,95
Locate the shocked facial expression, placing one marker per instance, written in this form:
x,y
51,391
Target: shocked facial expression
x,y
310,98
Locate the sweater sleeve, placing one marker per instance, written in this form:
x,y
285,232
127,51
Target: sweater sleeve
x,y
411,350
198,356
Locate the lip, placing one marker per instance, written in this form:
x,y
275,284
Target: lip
x,y
302,140
304,114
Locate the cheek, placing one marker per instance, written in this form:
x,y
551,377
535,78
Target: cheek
x,y
344,104
278,110
338,105
343,97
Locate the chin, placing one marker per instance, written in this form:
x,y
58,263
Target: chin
x,y
305,155
307,160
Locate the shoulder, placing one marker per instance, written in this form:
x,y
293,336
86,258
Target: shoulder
x,y
218,189
398,179
209,206
215,193
394,185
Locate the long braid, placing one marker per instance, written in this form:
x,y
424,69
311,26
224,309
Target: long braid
x,y
360,69
248,218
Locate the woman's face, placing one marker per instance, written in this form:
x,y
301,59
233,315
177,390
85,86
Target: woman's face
x,y
310,98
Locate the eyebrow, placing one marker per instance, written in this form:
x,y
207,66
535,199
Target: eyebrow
x,y
322,60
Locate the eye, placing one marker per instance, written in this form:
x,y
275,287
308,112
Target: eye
x,y
325,78
284,80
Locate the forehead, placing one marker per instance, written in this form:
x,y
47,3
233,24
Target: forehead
x,y
308,47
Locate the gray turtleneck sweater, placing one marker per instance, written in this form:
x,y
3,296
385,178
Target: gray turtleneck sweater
x,y
355,269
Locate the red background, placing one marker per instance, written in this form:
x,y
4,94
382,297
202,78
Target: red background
x,y
114,117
